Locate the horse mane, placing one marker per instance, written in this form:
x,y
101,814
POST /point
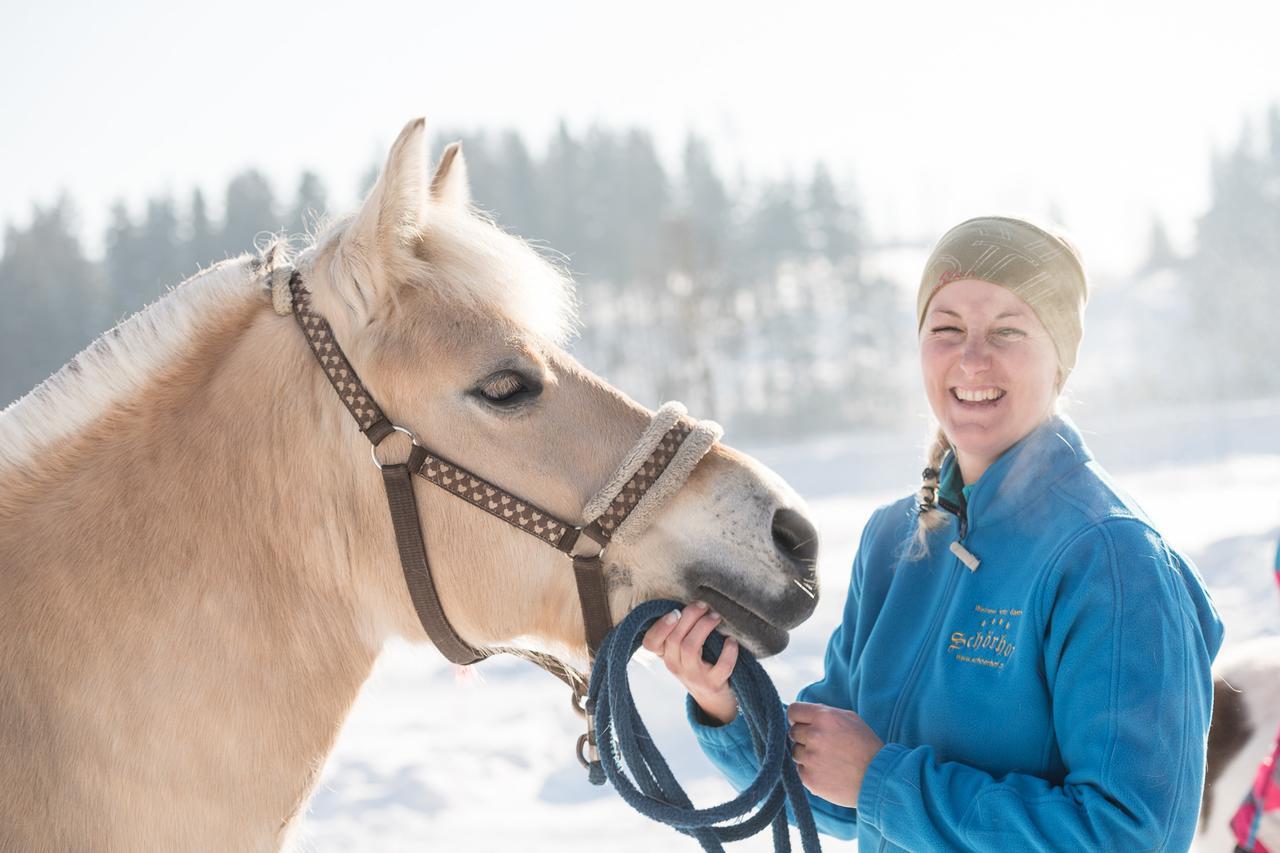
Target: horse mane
x,y
120,361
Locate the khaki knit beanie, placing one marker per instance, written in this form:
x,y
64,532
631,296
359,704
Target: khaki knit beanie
x,y
1041,268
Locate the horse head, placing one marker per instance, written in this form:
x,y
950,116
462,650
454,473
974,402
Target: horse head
x,y
458,330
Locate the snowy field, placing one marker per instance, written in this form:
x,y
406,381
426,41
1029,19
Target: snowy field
x,y
432,759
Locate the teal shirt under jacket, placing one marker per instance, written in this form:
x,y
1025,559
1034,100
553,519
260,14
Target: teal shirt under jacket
x,y
1057,698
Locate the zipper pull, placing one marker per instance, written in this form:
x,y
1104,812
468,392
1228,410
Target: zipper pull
x,y
965,556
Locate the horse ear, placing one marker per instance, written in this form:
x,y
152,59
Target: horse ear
x,y
450,185
390,218
395,206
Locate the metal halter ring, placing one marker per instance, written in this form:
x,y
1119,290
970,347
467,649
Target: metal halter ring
x,y
373,449
584,746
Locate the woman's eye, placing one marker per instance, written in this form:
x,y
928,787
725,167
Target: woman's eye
x,y
507,387
945,330
1009,333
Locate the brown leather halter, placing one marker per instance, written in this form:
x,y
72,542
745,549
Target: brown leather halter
x,y
585,543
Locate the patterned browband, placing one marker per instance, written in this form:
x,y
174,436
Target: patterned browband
x,y
458,481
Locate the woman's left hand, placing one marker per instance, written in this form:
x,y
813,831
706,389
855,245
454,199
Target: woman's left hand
x,y
832,750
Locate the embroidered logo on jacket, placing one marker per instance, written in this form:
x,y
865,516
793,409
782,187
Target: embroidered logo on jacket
x,y
990,643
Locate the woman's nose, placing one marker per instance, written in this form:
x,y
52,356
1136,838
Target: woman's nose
x,y
976,356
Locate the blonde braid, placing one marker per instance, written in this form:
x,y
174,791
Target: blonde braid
x,y
929,515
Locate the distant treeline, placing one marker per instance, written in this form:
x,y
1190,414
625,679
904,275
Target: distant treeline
x,y
746,300
54,300
749,299
1200,324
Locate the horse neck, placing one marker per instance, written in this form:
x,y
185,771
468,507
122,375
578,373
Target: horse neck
x,y
208,534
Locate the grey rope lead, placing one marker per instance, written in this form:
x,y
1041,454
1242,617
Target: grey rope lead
x,y
659,796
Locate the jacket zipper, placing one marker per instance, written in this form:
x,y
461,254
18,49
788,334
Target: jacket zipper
x,y
925,644
960,511
944,602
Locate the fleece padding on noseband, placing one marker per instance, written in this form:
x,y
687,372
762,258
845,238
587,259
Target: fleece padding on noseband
x,y
702,435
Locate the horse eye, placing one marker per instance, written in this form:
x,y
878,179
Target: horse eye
x,y
507,387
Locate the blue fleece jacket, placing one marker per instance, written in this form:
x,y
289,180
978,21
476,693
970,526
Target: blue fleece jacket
x,y
1056,698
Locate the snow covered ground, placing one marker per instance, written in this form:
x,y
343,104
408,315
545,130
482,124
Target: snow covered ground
x,y
431,760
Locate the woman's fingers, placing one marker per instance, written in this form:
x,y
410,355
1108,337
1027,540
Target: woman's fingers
x,y
656,636
803,712
678,638
671,648
691,646
728,659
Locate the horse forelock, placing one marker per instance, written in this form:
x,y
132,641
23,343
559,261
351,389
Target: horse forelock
x,y
120,362
479,261
463,258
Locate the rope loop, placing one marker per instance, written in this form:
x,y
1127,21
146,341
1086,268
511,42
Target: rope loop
x,y
622,736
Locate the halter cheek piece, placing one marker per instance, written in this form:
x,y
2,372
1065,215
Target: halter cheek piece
x,y
651,473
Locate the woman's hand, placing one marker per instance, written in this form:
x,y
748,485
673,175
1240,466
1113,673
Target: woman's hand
x,y
677,638
832,749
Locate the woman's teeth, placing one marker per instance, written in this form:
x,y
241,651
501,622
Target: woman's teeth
x,y
979,396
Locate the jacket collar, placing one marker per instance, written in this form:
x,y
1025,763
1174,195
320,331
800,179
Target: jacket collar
x,y
1022,474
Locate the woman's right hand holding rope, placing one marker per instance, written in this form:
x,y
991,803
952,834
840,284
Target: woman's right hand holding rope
x,y
677,638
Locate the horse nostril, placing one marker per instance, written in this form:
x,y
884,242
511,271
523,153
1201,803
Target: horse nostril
x,y
797,539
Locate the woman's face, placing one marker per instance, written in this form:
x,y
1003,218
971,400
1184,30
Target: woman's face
x,y
990,370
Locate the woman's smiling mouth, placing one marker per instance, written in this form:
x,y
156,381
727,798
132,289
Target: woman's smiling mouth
x,y
977,396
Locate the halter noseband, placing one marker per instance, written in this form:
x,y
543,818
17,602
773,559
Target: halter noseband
x,y
653,470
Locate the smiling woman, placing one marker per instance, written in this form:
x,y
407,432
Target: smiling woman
x,y
1000,312
990,370
1042,682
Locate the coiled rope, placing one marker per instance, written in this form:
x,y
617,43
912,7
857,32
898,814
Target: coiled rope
x,y
656,793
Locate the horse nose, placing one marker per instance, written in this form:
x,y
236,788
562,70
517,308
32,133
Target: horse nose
x,y
796,539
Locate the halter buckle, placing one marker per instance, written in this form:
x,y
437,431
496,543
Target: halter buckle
x,y
373,449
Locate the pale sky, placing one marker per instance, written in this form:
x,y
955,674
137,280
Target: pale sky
x,y
934,111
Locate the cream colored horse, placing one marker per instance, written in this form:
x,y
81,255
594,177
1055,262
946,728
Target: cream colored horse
x,y
197,568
